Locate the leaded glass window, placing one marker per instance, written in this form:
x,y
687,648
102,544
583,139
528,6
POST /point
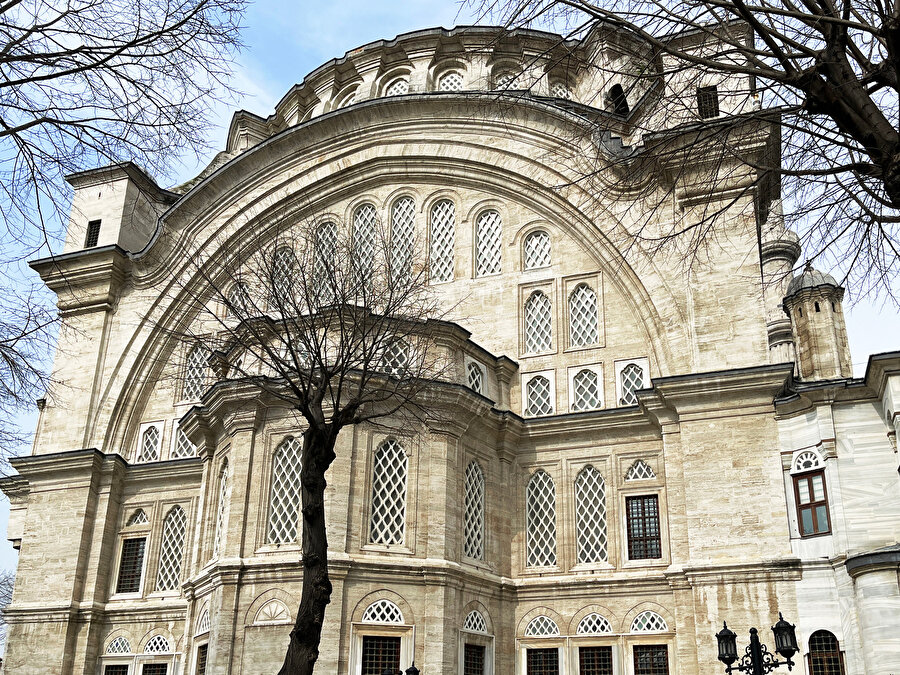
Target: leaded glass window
x,y
194,373
137,518
538,396
825,654
158,644
474,512
632,379
388,520
537,250
538,323
149,445
284,499
403,223
119,646
183,446
651,660
488,232
168,576
648,622
443,240
365,230
397,87
540,516
222,511
475,377
583,321
383,611
541,626
593,624
585,390
475,622
450,81
590,515
507,80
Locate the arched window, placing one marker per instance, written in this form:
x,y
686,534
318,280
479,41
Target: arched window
x,y
221,510
540,516
120,645
593,624
238,300
536,250
585,390
395,360
382,611
538,396
183,446
475,377
403,223
475,622
348,99
149,445
559,90
617,100
171,552
640,470
538,323
397,87
388,521
452,80
284,499
474,512
443,240
194,373
807,460
583,322
203,622
137,518
825,656
158,644
541,626
326,246
284,262
488,231
365,224
632,379
590,515
648,622
508,79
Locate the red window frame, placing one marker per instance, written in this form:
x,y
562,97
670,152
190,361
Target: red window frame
x,y
814,507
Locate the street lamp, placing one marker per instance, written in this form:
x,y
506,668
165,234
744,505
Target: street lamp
x,y
756,659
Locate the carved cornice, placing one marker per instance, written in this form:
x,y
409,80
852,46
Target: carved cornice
x,y
85,281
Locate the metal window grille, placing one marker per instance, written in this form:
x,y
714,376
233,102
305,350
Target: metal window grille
x,y
540,528
643,527
273,611
194,373
403,223
807,461
583,321
149,445
537,395
137,518
443,240
542,661
388,520
222,511
158,644
380,654
649,622
395,360
168,576
284,262
541,626
560,90
326,245
593,624
397,87
203,623
93,234
284,499
119,646
825,654
452,81
183,446
708,102
131,565
475,622
537,250
488,231
383,611
585,390
632,379
475,377
590,515
473,659
238,300
155,669
538,323
651,660
640,470
474,512
595,661
115,669
201,659
365,224
507,80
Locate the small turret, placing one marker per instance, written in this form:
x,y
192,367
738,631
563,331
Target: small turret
x,y
813,303
779,252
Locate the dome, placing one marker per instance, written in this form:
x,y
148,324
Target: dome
x,y
810,278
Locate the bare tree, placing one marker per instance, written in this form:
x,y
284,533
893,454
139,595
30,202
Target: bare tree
x,y
7,583
825,73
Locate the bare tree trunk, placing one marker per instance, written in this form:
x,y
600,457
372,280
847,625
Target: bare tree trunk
x,y
303,650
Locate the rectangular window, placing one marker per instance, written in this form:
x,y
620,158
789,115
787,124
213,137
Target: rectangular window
x,y
473,660
651,660
380,653
131,566
93,234
542,661
643,527
708,102
812,503
201,659
116,669
595,661
155,669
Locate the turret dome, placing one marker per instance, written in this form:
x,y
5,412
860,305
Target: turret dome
x,y
810,278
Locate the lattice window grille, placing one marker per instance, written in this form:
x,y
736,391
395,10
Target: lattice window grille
x,y
168,576
443,240
474,512
585,390
149,445
326,245
538,323
222,511
593,624
540,528
538,395
397,87
640,470
238,300
119,646
349,99
475,377
158,645
403,223
507,80
632,379
807,460
194,374
560,90
488,232
365,223
383,611
590,515
452,81
541,626
537,250
183,446
649,622
475,622
396,359
203,623
274,611
137,518
283,263
388,519
583,328
284,499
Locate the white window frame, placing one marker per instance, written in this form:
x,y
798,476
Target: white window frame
x,y
359,630
411,447
173,442
642,362
140,531
597,369
526,378
161,428
569,284
485,388
485,640
557,642
548,288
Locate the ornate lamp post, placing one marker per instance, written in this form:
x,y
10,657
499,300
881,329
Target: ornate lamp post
x,y
757,660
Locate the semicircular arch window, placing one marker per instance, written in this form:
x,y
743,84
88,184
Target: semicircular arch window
x,y
593,624
474,512
583,319
539,397
284,498
119,645
536,249
365,232
403,232
538,323
452,80
541,626
383,611
397,87
488,241
150,445
585,390
158,644
649,622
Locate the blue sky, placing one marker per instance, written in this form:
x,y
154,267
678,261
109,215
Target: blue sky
x,y
285,41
